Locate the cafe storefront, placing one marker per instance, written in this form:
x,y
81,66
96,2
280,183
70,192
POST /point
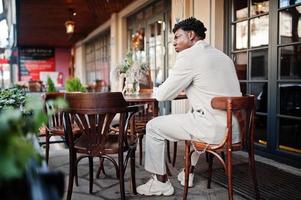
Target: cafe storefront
x,y
262,37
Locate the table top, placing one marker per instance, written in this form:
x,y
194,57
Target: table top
x,y
145,97
148,97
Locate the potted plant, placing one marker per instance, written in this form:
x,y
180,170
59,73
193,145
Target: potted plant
x,y
50,85
133,71
74,85
20,119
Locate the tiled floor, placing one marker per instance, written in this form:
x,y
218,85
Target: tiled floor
x,y
107,187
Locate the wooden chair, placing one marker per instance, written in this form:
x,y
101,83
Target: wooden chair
x,y
54,126
243,108
93,113
35,86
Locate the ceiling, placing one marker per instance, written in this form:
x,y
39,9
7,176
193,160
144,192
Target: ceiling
x,y
42,23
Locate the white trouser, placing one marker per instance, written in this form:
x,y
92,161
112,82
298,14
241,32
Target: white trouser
x,y
159,129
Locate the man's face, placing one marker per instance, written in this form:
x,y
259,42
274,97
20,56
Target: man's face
x,y
181,40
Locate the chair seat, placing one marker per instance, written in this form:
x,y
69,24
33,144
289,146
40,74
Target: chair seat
x,y
59,130
202,145
110,147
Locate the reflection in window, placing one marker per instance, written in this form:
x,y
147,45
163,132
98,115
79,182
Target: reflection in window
x,y
159,54
260,129
290,99
259,31
240,9
289,135
260,90
240,61
241,35
284,3
259,7
290,62
259,65
137,44
290,25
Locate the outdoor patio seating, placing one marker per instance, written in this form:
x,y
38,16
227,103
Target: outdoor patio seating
x,y
54,126
93,113
243,108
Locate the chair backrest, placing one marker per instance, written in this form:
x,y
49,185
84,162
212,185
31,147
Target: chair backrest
x,y
56,116
243,108
93,114
100,86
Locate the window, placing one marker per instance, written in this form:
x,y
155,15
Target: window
x,y
289,76
98,59
250,31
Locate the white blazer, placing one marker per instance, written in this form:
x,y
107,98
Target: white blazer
x,y
203,72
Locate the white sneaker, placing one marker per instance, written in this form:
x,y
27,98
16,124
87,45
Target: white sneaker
x,y
155,187
181,178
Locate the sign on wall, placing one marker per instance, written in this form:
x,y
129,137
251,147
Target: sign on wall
x,y
35,60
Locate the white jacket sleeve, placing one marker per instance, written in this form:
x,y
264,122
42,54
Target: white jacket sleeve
x,y
179,79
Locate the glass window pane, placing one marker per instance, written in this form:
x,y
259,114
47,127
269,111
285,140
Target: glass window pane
x,y
290,99
241,35
259,64
290,25
260,129
259,90
289,135
240,9
259,7
240,61
284,3
259,31
290,62
159,54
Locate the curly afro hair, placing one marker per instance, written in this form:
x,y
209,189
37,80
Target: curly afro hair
x,y
191,24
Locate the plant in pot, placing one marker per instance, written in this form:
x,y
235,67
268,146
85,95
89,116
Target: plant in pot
x,y
50,85
20,160
74,85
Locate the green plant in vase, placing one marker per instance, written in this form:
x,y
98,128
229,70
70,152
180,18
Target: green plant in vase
x,y
133,70
74,85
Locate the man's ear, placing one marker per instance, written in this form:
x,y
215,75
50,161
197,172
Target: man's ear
x,y
191,35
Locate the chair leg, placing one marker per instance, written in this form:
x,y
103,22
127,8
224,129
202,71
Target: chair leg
x,y
210,162
121,174
253,170
76,170
91,174
187,168
100,168
229,174
140,149
71,175
175,147
133,177
168,151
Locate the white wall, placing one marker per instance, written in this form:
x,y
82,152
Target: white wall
x,y
79,63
